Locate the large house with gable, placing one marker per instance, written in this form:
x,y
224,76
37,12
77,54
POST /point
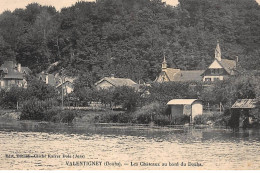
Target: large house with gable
x,y
12,74
177,75
220,68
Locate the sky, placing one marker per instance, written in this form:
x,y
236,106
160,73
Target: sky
x,y
58,4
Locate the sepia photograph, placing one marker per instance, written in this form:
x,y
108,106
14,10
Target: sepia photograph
x,y
129,85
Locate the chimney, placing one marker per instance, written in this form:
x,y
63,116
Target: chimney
x,y
19,67
47,79
112,76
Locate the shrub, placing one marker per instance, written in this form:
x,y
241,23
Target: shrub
x,y
213,118
113,117
43,110
33,110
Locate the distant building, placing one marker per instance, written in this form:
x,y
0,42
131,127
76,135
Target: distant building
x,y
245,113
220,68
67,85
49,79
177,75
110,82
56,81
12,74
189,107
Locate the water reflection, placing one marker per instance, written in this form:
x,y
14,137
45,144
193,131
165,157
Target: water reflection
x,y
214,148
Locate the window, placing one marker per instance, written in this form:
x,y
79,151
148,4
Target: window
x,y
216,71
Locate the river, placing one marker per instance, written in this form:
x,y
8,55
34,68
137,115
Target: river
x,y
41,146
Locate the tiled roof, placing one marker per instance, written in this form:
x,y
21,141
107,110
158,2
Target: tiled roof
x,y
228,65
117,81
192,75
13,75
11,72
179,75
173,74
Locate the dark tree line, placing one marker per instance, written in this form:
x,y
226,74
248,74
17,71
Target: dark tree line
x,y
128,38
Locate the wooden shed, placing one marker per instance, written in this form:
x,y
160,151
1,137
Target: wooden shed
x,y
190,107
243,113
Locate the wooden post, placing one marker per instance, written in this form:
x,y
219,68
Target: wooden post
x,y
62,94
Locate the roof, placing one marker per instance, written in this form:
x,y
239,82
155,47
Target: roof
x,y
228,65
117,81
192,75
179,75
13,75
182,101
52,80
11,72
67,81
26,69
245,104
172,74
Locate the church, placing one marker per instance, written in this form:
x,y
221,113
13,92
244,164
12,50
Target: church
x,y
177,75
219,69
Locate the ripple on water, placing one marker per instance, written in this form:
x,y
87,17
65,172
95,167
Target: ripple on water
x,y
217,149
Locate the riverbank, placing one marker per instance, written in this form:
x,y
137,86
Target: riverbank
x,y
143,116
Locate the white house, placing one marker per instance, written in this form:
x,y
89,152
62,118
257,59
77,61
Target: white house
x,y
220,68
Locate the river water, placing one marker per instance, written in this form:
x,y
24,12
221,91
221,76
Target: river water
x,y
34,145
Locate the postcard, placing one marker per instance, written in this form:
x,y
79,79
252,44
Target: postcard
x,y
129,85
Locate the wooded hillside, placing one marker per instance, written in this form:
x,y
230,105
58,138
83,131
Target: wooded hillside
x,y
128,38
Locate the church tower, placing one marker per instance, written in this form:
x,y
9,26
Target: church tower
x,y
218,52
164,64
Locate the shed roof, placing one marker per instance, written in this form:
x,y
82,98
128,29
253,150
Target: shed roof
x,y
182,101
244,104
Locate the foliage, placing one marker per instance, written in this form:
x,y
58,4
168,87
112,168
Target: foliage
x,y
217,119
34,110
164,92
46,111
38,89
10,98
128,38
126,96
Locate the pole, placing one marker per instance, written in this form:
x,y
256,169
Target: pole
x,y
62,94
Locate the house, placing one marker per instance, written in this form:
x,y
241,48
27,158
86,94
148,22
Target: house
x,y
49,79
220,68
177,75
181,107
110,82
12,74
56,81
244,113
67,84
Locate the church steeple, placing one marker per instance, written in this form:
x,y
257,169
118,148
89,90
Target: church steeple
x,y
218,52
164,63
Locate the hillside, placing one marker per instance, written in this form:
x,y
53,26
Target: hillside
x,y
128,38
